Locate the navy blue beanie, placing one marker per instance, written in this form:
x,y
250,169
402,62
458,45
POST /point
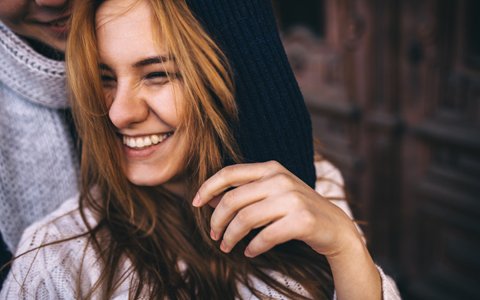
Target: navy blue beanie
x,y
274,123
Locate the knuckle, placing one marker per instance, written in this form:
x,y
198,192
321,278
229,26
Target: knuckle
x,y
307,219
223,172
265,239
296,200
225,175
228,170
284,180
274,165
242,219
228,201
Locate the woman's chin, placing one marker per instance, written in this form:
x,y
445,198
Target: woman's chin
x,y
144,180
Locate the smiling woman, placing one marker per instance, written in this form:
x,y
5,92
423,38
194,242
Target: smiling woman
x,y
150,101
169,207
142,92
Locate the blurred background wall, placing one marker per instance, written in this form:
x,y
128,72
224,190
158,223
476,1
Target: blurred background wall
x,y
393,87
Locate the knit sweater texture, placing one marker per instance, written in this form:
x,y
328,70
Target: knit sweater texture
x,y
274,123
38,160
54,271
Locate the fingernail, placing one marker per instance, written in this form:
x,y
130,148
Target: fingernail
x,y
247,252
196,200
224,247
212,235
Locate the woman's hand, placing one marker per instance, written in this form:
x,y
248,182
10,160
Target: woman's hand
x,y
268,195
250,196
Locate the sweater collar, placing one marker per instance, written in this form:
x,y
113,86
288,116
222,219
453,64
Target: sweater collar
x,y
44,49
36,78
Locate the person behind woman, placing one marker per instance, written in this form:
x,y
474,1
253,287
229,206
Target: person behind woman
x,y
38,154
160,215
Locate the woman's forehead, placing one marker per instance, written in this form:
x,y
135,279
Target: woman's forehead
x,y
125,33
116,12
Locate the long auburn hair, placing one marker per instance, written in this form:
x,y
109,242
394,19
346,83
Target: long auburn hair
x,y
149,226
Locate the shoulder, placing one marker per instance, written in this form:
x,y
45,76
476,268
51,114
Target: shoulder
x,y
52,254
330,184
63,223
329,180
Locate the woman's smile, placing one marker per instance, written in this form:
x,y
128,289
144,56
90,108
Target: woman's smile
x,y
144,146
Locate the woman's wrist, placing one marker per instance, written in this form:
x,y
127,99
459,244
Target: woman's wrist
x,y
354,272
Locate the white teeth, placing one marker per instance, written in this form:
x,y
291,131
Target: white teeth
x,y
131,143
147,141
139,142
143,142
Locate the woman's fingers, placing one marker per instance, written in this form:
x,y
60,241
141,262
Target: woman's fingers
x,y
236,199
249,196
280,231
253,216
233,201
233,176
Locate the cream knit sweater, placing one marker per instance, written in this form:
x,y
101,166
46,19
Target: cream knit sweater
x,y
38,161
53,272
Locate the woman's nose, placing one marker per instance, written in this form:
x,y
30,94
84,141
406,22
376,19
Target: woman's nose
x,y
128,108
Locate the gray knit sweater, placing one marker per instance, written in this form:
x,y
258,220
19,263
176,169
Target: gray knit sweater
x,y
38,160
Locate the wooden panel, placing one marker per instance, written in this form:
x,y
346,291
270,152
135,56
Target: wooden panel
x,y
442,195
394,92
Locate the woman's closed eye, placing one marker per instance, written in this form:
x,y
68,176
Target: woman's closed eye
x,y
107,80
160,77
154,78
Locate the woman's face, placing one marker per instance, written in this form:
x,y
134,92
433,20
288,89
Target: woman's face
x,y
144,104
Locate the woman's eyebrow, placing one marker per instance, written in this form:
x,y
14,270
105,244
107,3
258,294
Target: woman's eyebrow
x,y
142,63
152,60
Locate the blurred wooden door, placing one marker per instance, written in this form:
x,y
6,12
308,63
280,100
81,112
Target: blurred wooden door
x,y
394,92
